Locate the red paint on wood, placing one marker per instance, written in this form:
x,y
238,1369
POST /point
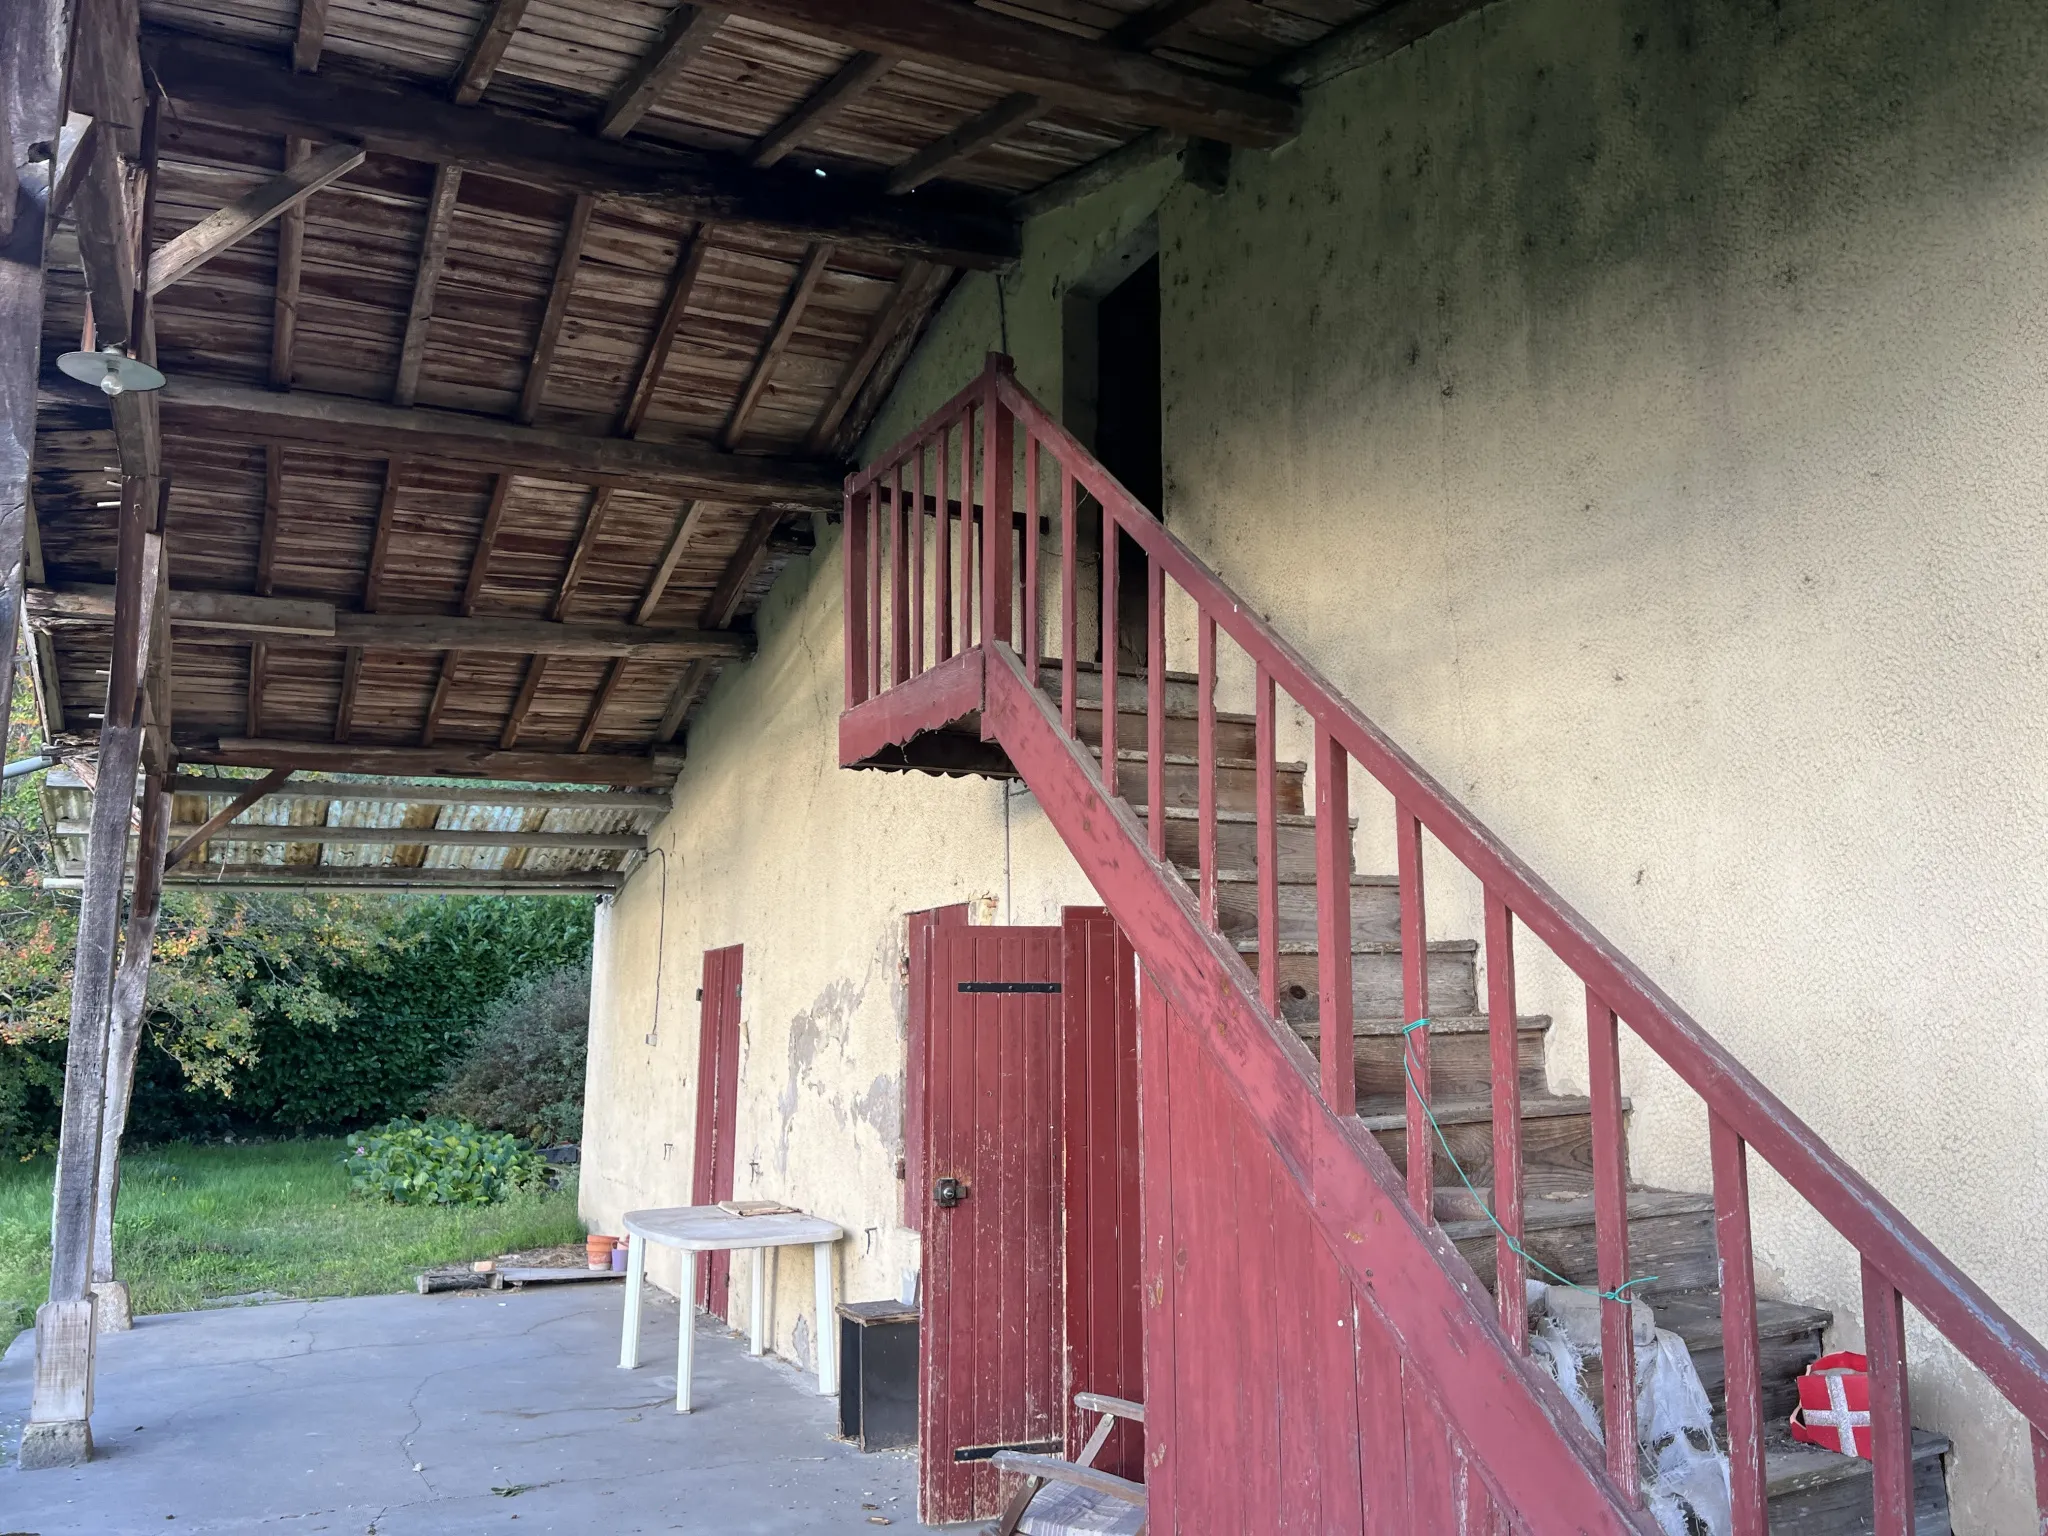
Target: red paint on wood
x,y
919,928
989,1371
1205,778
1034,641
1267,839
935,697
918,605
1738,1330
718,1081
970,566
1891,1423
854,558
1161,1256
1101,1256
1110,581
998,538
1506,1061
942,555
1070,583
1155,708
1610,1222
1421,1139
901,521
1339,1061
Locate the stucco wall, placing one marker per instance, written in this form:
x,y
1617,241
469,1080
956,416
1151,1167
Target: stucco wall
x,y
1637,408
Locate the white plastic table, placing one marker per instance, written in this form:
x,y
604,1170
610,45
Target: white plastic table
x,y
707,1229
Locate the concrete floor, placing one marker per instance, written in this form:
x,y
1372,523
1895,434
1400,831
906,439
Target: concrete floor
x,y
440,1415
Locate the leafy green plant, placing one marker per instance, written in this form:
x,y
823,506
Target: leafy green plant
x,y
523,1072
440,1161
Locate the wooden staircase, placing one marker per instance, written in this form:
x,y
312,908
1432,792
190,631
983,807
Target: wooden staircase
x,y
1236,890
1811,1492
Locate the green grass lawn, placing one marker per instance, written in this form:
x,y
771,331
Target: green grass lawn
x,y
201,1222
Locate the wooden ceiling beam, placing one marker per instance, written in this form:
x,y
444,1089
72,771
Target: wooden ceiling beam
x,y
1102,171
351,679
308,624
927,293
567,259
196,838
522,705
1150,26
487,50
259,666
240,413
969,139
291,256
380,545
688,30
1095,76
793,304
724,604
190,249
310,36
689,267
433,794
441,203
293,877
621,770
244,88
688,525
259,832
579,558
855,78
591,721
273,511
889,319
480,562
1368,40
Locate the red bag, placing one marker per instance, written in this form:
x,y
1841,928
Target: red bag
x,y
1834,1405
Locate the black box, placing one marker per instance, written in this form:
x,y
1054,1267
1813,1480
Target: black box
x,y
878,1374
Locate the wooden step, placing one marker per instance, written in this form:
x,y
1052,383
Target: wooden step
x,y
1236,735
1815,1492
1182,688
1790,1338
1237,838
1237,782
1671,1236
1375,905
1557,1142
1460,1055
1375,978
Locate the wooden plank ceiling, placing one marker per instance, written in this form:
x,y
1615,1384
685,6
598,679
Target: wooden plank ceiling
x,y
589,305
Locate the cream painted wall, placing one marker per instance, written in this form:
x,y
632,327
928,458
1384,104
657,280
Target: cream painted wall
x,y
1638,409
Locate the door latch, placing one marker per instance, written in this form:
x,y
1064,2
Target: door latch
x,y
948,1193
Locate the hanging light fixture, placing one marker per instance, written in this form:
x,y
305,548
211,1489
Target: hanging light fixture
x,y
113,370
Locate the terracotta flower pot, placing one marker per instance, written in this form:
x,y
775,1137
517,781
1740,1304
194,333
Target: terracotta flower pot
x,y
597,1250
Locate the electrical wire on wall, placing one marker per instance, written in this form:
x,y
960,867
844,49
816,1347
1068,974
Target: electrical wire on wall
x,y
653,1035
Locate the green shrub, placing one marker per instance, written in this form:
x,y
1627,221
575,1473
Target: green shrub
x,y
440,1162
523,1071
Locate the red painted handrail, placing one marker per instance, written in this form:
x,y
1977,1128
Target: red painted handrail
x,y
1900,1264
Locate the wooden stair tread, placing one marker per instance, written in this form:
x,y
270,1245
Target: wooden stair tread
x,y
1192,873
1790,1467
1695,1316
1193,813
1053,664
1377,1027
1250,946
1540,1215
1190,760
1535,1106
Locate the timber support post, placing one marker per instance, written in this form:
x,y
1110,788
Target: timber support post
x,y
124,1038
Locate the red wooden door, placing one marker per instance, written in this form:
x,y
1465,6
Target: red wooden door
x,y
718,1082
990,1372
916,1049
1102,1232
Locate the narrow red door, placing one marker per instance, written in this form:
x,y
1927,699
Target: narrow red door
x,y
1104,1325
718,1083
990,1372
916,1050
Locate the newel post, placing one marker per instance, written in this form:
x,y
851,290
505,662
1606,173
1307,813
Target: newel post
x,y
998,531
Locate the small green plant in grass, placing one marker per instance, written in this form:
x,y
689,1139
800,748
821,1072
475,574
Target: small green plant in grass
x,y
440,1162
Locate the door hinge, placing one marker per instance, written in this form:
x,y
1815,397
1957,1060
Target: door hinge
x,y
1009,986
988,1452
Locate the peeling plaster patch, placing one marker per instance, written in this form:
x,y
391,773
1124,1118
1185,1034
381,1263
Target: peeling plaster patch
x,y
882,1107
828,1017
800,1344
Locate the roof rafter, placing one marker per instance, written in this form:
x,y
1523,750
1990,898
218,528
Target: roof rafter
x,y
441,203
488,49
856,76
185,253
244,88
688,30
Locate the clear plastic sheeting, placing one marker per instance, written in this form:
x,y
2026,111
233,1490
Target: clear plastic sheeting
x,y
1684,1470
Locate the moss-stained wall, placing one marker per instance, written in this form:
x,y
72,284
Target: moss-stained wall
x,y
1638,409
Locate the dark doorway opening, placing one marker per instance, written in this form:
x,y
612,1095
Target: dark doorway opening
x,y
1127,429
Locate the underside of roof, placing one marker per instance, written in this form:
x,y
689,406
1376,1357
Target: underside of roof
x,y
514,347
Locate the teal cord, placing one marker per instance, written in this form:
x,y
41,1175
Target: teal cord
x,y
1514,1244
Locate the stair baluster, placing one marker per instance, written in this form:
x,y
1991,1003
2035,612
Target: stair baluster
x,y
1610,1230
1414,1007
1339,1055
1268,856
1741,1350
1503,1029
1070,587
1205,764
1028,576
1891,1425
